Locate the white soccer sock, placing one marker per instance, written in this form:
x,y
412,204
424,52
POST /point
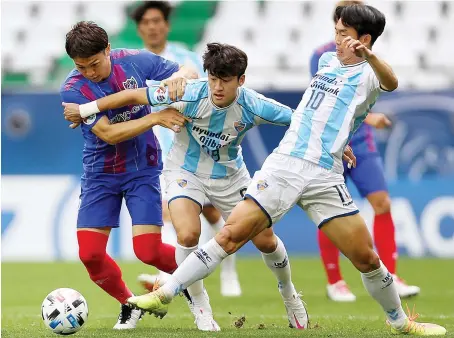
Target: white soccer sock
x,y
279,264
380,285
195,290
168,234
196,266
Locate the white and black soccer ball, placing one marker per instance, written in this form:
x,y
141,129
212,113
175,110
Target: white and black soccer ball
x,y
64,311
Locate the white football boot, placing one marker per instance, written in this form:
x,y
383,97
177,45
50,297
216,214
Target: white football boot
x,y
339,292
405,290
296,311
203,315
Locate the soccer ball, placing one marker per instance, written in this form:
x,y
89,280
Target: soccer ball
x,y
64,311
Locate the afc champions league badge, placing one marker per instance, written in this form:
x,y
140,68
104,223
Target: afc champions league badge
x,y
160,95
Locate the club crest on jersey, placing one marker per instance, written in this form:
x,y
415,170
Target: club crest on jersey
x,y
239,126
130,83
182,183
262,185
160,95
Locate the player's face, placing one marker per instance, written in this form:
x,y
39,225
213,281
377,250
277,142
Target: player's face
x,y
224,91
96,68
345,55
153,28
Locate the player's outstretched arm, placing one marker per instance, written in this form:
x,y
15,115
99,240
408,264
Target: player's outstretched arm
x,y
120,132
385,75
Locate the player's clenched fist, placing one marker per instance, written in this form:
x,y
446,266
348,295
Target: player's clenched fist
x,y
72,114
170,118
349,157
357,47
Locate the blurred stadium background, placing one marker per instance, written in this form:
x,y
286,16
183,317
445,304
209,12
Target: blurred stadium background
x,y
41,156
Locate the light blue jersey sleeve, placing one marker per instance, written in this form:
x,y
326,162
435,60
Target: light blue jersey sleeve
x,y
195,91
262,109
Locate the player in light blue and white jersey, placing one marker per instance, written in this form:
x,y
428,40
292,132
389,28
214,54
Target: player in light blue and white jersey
x,y
306,169
205,161
153,25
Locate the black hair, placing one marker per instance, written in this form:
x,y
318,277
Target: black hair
x,y
85,39
363,18
346,3
163,6
222,60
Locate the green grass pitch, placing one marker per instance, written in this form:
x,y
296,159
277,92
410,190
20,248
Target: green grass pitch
x,y
24,287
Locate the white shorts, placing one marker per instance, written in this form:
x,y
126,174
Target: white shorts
x,y
223,193
285,181
162,181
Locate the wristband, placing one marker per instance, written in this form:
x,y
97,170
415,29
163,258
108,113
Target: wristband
x,y
87,109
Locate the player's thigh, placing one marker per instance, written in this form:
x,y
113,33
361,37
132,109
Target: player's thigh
x,y
245,222
186,196
368,176
226,193
277,186
351,236
211,214
142,193
100,203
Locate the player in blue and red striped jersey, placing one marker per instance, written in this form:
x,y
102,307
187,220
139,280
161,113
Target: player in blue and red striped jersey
x,y
120,160
368,177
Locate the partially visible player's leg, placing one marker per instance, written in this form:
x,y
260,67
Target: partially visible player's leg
x,y
100,266
332,208
186,197
100,205
276,259
337,289
376,192
230,285
142,193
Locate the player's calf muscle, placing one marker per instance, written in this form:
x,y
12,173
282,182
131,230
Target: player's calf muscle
x,y
265,241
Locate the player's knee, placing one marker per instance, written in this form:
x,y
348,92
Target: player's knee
x,y
90,256
149,257
382,205
228,240
188,237
366,261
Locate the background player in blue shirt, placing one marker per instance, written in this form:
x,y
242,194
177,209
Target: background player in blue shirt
x,y
369,179
153,25
120,160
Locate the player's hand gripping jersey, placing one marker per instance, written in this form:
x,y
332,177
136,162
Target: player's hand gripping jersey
x,y
333,107
209,146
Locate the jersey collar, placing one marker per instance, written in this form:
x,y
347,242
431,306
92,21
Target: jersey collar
x,y
353,65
